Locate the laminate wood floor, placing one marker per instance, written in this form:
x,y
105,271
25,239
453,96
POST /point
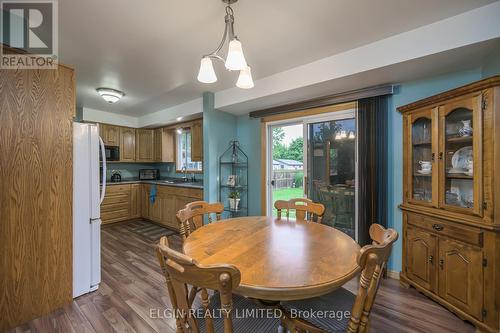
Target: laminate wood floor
x,y
133,292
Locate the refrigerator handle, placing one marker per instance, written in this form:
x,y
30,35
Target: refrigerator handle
x,y
103,154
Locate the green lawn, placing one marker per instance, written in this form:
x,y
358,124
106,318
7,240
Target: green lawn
x,y
287,194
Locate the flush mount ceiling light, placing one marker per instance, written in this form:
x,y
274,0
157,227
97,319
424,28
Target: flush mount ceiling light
x,y
235,60
110,95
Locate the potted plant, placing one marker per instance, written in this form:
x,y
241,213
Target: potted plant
x,y
234,200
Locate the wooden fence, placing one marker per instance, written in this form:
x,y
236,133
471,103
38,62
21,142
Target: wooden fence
x,y
287,178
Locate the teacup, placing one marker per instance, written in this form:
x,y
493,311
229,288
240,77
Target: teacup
x,y
425,165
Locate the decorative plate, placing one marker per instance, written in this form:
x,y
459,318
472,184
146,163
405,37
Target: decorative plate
x,y
453,170
460,158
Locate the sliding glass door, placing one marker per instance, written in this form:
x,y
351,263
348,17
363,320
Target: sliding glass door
x,y
331,169
316,157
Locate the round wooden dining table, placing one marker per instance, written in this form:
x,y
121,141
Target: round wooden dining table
x,y
279,259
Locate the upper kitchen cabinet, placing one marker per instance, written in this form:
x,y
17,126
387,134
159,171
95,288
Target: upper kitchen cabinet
x,y
197,141
164,145
127,144
144,145
110,134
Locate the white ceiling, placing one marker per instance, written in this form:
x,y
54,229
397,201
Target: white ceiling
x,y
151,49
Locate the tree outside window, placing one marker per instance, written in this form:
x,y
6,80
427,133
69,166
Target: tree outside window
x,y
184,163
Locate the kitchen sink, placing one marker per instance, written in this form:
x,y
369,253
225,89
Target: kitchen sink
x,y
175,181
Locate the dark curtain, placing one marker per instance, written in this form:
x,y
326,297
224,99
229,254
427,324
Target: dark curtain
x,y
372,163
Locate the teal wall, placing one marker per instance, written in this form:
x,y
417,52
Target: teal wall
x,y
409,92
492,64
248,134
219,128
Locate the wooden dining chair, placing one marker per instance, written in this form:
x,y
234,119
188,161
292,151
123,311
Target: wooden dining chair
x,y
181,271
372,259
305,209
191,216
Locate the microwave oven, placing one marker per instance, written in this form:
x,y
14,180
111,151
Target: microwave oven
x,y
112,153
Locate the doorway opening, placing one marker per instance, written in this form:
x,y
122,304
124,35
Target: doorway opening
x,y
287,171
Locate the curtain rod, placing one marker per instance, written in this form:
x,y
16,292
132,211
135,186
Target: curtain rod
x,y
343,97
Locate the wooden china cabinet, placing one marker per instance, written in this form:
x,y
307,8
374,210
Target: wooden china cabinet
x,y
451,216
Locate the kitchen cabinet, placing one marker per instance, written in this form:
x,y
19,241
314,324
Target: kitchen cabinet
x,y
169,200
148,145
158,133
144,142
135,202
116,205
168,211
451,238
197,141
110,134
127,144
164,145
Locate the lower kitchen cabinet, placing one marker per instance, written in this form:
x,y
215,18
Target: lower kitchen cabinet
x,y
168,211
130,201
135,202
168,201
116,204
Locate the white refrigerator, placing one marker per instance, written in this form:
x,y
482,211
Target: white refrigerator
x,y
87,198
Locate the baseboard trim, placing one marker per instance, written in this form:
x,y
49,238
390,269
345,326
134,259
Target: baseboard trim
x,y
393,275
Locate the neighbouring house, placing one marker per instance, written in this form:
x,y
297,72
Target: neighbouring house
x,y
287,164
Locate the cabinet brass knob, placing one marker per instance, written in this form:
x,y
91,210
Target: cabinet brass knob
x,y
437,227
431,260
441,263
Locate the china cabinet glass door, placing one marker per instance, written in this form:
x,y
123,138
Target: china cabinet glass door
x,y
460,155
422,158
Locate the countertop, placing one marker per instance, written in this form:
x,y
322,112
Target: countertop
x,y
163,182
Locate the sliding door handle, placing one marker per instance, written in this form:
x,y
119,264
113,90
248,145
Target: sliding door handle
x,y
306,187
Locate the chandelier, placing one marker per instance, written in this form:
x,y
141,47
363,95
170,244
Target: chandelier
x,y
235,59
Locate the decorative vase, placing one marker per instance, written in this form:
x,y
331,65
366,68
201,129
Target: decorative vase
x,y
466,129
234,203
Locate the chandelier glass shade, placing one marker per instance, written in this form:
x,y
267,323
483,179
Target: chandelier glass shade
x,y
207,73
245,79
235,59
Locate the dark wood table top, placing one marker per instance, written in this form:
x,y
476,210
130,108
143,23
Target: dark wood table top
x,y
278,259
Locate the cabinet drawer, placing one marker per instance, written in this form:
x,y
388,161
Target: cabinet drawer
x,y
116,198
463,233
115,207
115,215
117,188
